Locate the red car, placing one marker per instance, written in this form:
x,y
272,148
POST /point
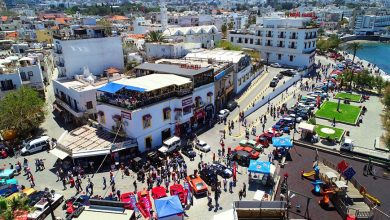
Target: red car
x,y
197,185
263,140
270,134
252,152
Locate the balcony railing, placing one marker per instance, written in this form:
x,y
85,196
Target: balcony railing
x,y
294,37
269,35
130,104
292,47
308,51
68,107
281,36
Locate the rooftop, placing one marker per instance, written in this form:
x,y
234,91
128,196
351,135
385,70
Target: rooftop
x,y
154,81
171,68
217,54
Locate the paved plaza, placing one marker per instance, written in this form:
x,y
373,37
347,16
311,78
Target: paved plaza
x,y
301,158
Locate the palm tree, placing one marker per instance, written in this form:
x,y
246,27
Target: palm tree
x,y
154,36
355,46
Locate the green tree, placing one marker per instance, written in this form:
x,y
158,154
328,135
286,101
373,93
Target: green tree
x,y
154,36
321,31
107,25
386,116
355,46
224,30
226,45
22,110
379,84
9,208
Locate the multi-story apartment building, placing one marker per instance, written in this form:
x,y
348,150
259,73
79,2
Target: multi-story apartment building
x,y
284,40
371,24
207,35
153,107
86,47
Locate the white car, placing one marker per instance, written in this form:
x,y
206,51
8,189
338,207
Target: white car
x,y
276,65
298,119
223,113
203,146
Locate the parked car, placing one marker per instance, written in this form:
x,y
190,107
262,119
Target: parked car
x,y
288,72
222,170
270,134
232,105
279,75
296,118
7,190
36,145
170,145
273,83
209,176
197,185
189,152
223,114
203,146
35,197
241,157
276,65
262,140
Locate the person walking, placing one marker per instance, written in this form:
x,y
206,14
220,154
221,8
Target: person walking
x,y
231,186
224,184
64,183
240,194
263,126
201,156
135,185
104,183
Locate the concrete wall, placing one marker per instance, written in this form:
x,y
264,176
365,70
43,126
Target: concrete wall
x,y
16,80
96,53
242,75
33,74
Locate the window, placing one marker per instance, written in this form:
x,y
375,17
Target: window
x,y
239,82
251,41
166,113
279,56
187,110
148,142
147,121
309,44
291,58
231,39
305,45
89,105
246,40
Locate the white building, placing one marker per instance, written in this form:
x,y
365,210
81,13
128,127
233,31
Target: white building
x,y
87,47
287,41
16,72
154,107
169,50
207,35
371,24
242,74
76,98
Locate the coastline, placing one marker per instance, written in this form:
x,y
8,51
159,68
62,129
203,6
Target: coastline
x,y
365,63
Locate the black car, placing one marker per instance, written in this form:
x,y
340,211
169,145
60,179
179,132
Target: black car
x,y
288,72
209,176
189,152
35,198
232,105
241,157
273,83
222,170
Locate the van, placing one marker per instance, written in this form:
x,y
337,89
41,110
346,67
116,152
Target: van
x,y
170,145
36,145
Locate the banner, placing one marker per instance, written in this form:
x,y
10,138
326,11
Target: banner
x,y
133,202
187,193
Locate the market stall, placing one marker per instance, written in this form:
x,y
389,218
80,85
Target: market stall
x,y
260,171
169,208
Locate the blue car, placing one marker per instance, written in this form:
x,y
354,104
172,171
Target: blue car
x,y
7,190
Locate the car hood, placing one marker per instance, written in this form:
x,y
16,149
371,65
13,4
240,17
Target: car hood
x,y
163,149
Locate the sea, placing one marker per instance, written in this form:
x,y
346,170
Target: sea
x,y
376,53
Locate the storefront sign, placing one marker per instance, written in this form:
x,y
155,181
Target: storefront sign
x,y
186,101
126,115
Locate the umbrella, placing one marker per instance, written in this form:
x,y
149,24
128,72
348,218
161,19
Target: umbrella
x,y
257,166
282,142
327,131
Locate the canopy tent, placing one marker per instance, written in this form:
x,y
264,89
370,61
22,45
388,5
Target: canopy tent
x,y
111,88
256,166
282,142
59,153
306,126
168,206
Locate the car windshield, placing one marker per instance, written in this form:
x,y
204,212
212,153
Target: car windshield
x,y
199,186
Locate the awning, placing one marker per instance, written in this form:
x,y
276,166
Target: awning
x,y
256,166
220,75
306,126
282,142
134,88
111,88
59,153
90,154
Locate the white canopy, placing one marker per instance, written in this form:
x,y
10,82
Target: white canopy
x,y
259,194
306,126
12,58
59,153
26,59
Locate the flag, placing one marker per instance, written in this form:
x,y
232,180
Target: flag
x,y
234,171
133,202
342,166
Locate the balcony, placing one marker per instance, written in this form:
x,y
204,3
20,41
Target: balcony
x,y
135,103
308,51
280,45
268,45
294,37
8,87
75,112
282,36
292,47
269,35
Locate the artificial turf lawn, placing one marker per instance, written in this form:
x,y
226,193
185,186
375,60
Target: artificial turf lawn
x,y
338,132
348,113
352,97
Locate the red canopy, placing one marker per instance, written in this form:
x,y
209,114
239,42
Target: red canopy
x,y
159,192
